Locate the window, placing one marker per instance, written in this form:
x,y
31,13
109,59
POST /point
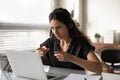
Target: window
x,y
21,39
25,11
23,24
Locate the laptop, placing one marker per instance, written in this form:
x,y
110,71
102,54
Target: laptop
x,y
28,64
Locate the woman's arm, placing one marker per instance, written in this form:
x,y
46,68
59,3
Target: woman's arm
x,y
92,63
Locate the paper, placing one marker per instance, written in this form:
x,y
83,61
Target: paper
x,y
73,76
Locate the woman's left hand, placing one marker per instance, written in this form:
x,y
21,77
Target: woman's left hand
x,y
63,56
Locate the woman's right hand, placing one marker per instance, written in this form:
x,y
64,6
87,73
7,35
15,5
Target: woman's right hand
x,y
42,50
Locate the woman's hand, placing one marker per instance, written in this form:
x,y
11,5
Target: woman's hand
x,y
42,50
63,56
106,68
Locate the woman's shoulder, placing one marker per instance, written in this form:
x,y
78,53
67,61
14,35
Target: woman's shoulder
x,y
51,40
83,42
48,41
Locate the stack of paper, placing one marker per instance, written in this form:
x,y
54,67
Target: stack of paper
x,y
82,77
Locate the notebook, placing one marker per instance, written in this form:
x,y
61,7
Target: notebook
x,y
28,64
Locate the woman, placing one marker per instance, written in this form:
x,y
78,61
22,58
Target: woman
x,y
68,47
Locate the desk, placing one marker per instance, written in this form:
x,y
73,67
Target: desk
x,y
102,46
106,76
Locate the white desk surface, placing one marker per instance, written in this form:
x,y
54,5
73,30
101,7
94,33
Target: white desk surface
x,y
105,76
110,76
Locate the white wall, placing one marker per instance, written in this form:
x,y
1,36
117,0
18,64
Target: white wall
x,y
103,16
68,4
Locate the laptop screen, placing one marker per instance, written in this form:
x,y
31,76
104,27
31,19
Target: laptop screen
x,y
28,64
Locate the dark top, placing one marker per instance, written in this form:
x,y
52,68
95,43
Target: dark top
x,y
77,47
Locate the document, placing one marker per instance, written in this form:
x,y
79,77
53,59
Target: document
x,y
73,76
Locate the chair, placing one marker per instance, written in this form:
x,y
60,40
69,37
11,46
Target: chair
x,y
111,56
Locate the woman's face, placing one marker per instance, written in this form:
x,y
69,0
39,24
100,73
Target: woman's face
x,y
59,29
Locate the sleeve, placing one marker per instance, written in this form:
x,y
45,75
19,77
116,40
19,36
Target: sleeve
x,y
45,59
87,47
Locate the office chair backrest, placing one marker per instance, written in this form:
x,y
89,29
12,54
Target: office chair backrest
x,y
111,56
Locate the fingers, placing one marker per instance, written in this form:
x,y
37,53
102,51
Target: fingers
x,y
42,50
59,55
63,56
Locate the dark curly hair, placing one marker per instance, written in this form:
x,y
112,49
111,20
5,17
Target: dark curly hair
x,y
64,17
